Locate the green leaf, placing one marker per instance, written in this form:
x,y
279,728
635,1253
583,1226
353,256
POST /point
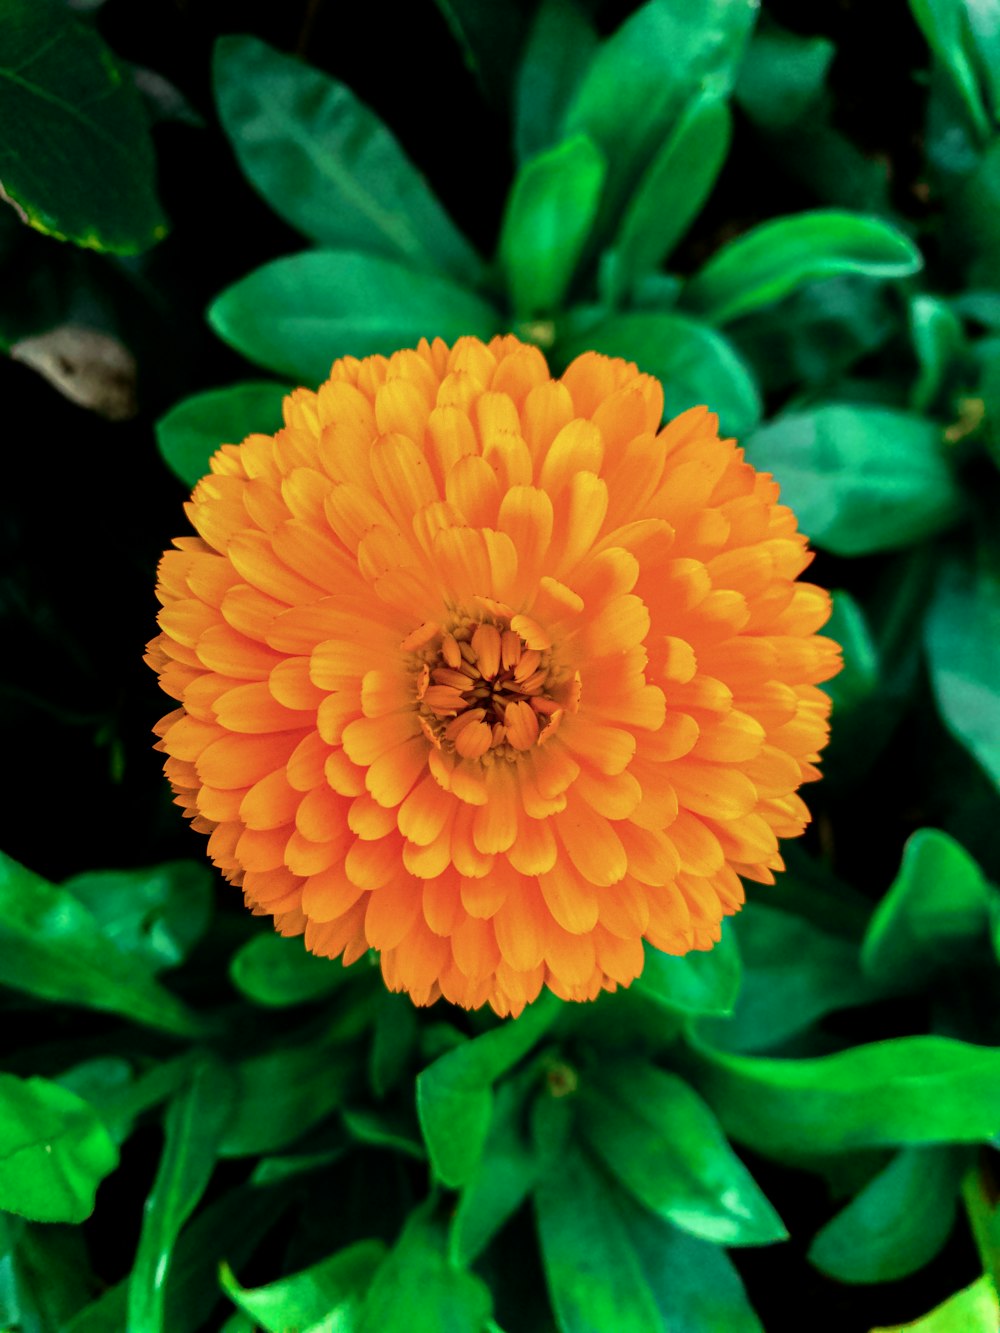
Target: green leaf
x,y
659,1139
489,35
591,1270
938,342
191,432
327,164
296,315
549,215
277,972
972,219
897,1223
54,1151
945,26
157,914
860,676
698,982
281,1095
194,1126
934,913
909,1090
695,365
76,158
559,48
382,1128
455,1097
53,947
327,1296
393,1042
860,479
962,639
974,1309
105,1315
672,190
45,1275
776,257
782,76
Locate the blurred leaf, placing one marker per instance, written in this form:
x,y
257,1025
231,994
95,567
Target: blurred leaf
x,y
327,1296
983,1211
489,35
559,47
281,1095
658,1138
775,257
327,164
54,1151
296,315
157,914
905,1091
860,676
393,1042
194,429
896,1224
54,947
672,190
934,913
860,479
695,364
549,215
697,982
972,218
384,1129
937,341
455,1097
76,158
975,1309
277,972
983,307
782,76
89,367
962,640
945,25
193,1129
45,1275
105,1315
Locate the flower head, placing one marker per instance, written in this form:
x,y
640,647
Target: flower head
x,y
485,671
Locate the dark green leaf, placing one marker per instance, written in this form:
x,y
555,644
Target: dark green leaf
x,y
281,1095
860,479
560,45
329,1294
276,972
860,676
897,1223
549,215
782,76
945,26
698,982
384,1129
489,35
53,947
393,1042
76,158
938,341
455,1097
776,257
658,1138
327,164
192,431
45,1275
54,1151
105,1315
193,1129
936,910
972,215
296,315
695,365
963,653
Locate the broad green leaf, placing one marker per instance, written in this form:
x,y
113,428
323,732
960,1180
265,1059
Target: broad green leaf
x,y
549,215
659,1139
327,1296
193,1129
592,1272
860,479
909,1090
860,677
935,912
277,972
945,26
296,315
698,982
776,257
695,365
937,341
646,72
974,1309
281,1095
76,157
455,1096
192,431
559,47
54,1151
326,163
962,639
897,1223
672,190
782,76
157,914
53,947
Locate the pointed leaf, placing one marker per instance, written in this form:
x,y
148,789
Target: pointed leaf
x,y
192,431
697,983
974,1309
326,1296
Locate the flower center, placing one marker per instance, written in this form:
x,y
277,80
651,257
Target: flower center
x,y
482,690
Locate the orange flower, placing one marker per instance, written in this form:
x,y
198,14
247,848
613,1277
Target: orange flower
x,y
485,671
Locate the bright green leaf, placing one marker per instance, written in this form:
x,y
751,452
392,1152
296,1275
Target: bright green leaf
x,y
860,479
192,431
782,76
327,1296
945,26
326,163
76,157
277,972
296,315
937,341
700,982
776,257
559,47
974,1309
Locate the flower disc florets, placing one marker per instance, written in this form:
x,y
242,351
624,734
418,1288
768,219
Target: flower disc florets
x,y
488,672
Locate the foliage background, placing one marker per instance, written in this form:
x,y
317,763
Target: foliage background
x,y
264,1109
